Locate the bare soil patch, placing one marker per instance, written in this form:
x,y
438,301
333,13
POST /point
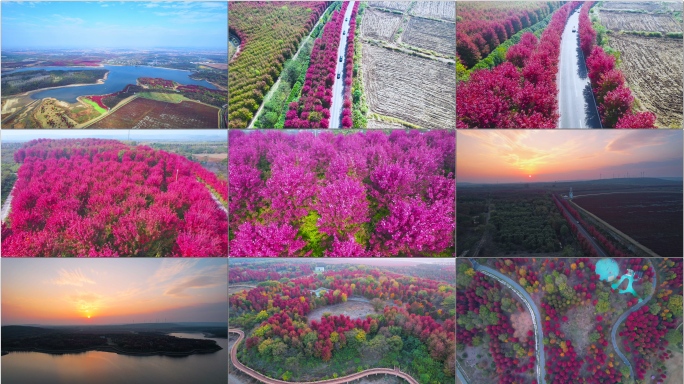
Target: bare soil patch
x,y
353,309
146,113
653,68
626,21
433,35
413,89
648,6
394,5
580,323
380,25
377,124
444,10
674,368
522,322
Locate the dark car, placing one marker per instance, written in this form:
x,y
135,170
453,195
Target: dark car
x,y
340,59
344,32
338,75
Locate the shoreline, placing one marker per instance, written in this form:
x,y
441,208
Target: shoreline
x,y
29,93
112,350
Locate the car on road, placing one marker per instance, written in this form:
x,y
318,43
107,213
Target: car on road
x,y
574,30
346,19
338,75
344,32
340,59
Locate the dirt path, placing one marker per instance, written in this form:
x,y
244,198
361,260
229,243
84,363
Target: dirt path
x,y
6,206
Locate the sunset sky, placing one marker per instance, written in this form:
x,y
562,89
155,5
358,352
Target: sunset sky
x,y
113,291
517,156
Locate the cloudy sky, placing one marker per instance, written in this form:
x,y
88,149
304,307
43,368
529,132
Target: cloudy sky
x,y
115,24
513,156
113,291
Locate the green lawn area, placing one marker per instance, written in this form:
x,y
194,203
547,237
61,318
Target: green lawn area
x,y
165,97
94,104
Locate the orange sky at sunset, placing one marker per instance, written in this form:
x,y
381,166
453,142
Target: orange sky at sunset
x,y
113,291
516,156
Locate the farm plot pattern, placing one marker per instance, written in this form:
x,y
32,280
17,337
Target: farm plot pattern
x,y
430,34
380,25
147,113
269,34
405,66
358,194
417,90
653,69
653,219
623,21
102,198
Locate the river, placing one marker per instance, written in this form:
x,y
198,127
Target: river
x,y
117,79
109,368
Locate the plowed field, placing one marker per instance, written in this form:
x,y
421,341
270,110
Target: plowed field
x,y
436,36
394,5
146,113
653,68
380,25
652,219
443,10
417,90
626,21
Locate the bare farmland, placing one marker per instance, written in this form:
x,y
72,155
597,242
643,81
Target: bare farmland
x,y
626,21
393,5
146,113
653,68
380,25
432,35
649,6
417,90
443,10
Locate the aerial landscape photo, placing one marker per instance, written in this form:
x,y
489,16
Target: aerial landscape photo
x,y
314,193
114,64
114,321
569,64
367,321
342,64
90,193
569,320
569,193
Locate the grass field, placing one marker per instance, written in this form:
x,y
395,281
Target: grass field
x,y
94,104
165,97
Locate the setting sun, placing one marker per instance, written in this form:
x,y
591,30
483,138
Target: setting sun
x,y
89,316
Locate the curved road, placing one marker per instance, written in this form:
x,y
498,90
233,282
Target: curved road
x,y
340,380
575,98
622,318
580,228
338,86
534,311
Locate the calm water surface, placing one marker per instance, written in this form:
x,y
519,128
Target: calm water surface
x,y
110,368
118,78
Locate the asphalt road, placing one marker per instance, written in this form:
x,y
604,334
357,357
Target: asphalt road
x,y
338,86
580,228
536,315
622,318
576,101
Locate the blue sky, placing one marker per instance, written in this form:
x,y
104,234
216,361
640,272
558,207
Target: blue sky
x,y
113,24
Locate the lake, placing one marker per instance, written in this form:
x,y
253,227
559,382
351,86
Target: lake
x,y
110,368
118,78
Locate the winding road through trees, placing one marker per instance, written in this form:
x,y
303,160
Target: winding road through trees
x,y
623,317
340,380
576,101
534,311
